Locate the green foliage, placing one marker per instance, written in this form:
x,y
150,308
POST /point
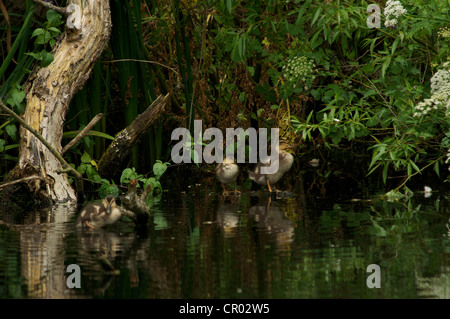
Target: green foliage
x,y
371,89
312,68
159,168
46,35
88,167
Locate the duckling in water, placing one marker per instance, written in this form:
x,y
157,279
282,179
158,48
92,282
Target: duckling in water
x,y
227,172
285,163
97,215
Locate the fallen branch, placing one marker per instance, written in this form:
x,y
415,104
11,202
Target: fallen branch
x,y
134,207
21,180
124,141
83,132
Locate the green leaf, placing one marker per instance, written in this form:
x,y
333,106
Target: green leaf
x,y
81,169
47,59
385,172
386,64
381,148
318,11
54,18
37,32
85,158
11,130
159,169
127,172
91,172
414,166
72,134
394,45
43,38
229,4
16,97
436,168
37,56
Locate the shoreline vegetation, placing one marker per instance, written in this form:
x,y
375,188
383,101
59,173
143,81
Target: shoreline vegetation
x,y
358,99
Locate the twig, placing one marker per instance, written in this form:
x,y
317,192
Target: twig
x,y
22,180
43,141
82,133
143,61
48,5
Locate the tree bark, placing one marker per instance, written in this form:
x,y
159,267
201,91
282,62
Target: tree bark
x,y
49,94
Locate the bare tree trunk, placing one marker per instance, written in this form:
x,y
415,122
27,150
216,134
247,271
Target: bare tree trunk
x,y
49,94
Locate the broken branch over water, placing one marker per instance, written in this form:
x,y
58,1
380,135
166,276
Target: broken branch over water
x,y
133,206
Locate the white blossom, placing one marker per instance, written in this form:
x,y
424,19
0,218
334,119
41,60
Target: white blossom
x,y
392,12
298,69
440,90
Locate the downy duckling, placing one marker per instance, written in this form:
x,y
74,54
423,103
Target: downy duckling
x,y
97,215
227,172
286,160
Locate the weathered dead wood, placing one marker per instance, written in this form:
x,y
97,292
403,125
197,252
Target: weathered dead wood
x,y
49,92
128,137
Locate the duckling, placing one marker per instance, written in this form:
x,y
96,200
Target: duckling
x,y
97,215
285,163
227,172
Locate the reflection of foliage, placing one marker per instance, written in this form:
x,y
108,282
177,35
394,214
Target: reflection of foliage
x,y
10,279
329,220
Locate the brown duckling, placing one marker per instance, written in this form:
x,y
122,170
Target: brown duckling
x,y
286,160
97,215
227,172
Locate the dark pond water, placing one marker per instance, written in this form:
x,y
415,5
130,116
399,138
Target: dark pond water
x,y
199,245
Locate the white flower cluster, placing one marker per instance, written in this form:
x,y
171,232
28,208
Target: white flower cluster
x,y
440,90
299,69
444,32
440,78
392,12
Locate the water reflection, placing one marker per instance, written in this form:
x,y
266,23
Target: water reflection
x,y
40,249
199,245
271,219
228,218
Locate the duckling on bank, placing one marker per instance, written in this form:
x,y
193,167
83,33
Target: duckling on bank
x,y
286,160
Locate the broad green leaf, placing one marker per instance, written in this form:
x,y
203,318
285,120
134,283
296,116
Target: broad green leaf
x,y
47,59
16,97
159,169
54,18
81,169
11,130
37,32
318,11
127,172
85,158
